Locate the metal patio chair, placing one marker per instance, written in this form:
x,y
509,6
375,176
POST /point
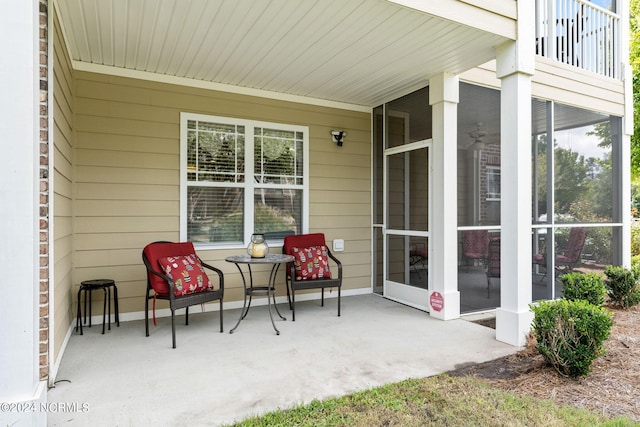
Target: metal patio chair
x,y
175,274
475,246
310,270
568,257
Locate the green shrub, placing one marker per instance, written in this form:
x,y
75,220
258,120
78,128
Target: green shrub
x,y
635,261
570,334
622,285
270,218
635,237
589,287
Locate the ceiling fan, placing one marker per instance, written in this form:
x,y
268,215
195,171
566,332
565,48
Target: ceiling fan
x,y
478,136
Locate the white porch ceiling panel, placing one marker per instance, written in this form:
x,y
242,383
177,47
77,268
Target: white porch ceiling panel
x,y
361,52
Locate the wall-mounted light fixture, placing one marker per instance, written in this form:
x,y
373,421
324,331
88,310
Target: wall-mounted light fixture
x,y
338,136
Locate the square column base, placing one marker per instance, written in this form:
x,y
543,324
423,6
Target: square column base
x,y
34,412
513,327
444,305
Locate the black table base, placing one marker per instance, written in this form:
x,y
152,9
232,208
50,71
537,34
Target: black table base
x,y
250,290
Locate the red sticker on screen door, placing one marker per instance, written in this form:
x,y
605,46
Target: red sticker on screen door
x,y
436,301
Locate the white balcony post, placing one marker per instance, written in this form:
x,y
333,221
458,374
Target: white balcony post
x,y
443,96
19,233
551,30
515,66
623,70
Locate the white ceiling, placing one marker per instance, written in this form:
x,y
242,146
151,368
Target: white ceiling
x,y
360,52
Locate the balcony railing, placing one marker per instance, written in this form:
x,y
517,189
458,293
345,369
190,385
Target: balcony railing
x,y
579,33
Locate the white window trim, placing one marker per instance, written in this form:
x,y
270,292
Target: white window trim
x,y
493,168
249,185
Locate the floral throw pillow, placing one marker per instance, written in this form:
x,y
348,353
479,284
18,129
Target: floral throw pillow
x,y
187,274
311,262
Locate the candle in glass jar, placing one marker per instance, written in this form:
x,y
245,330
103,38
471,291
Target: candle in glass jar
x,y
258,250
258,247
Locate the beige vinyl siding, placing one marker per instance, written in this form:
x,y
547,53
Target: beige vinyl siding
x,y
127,178
573,86
62,157
562,83
484,75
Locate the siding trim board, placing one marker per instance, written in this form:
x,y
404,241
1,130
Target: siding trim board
x,y
61,189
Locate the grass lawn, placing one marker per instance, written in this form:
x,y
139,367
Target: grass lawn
x,y
436,401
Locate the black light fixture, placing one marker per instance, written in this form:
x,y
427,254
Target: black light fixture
x,y
338,136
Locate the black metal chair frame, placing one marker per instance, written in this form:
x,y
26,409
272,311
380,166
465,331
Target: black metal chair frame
x,y
184,301
564,267
493,262
417,256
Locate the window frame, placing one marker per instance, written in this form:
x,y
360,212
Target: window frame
x,y
249,185
493,170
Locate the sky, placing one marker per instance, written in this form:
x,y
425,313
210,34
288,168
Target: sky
x,y
576,140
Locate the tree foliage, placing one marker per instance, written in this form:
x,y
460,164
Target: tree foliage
x,y
582,184
634,59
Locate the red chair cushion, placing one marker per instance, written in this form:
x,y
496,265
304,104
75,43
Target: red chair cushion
x,y
311,263
154,251
302,241
476,244
187,274
475,255
419,252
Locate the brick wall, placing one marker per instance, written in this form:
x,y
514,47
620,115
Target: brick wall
x,y
44,192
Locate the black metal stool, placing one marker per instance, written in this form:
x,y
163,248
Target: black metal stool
x,y
93,285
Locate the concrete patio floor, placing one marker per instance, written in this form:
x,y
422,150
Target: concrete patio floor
x,y
123,378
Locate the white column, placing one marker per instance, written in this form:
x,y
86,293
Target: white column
x,y
515,66
443,96
627,131
19,127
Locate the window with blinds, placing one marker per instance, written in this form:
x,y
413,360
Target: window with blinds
x,y
240,177
493,183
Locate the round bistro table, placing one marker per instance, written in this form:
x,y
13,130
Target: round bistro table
x,y
275,260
